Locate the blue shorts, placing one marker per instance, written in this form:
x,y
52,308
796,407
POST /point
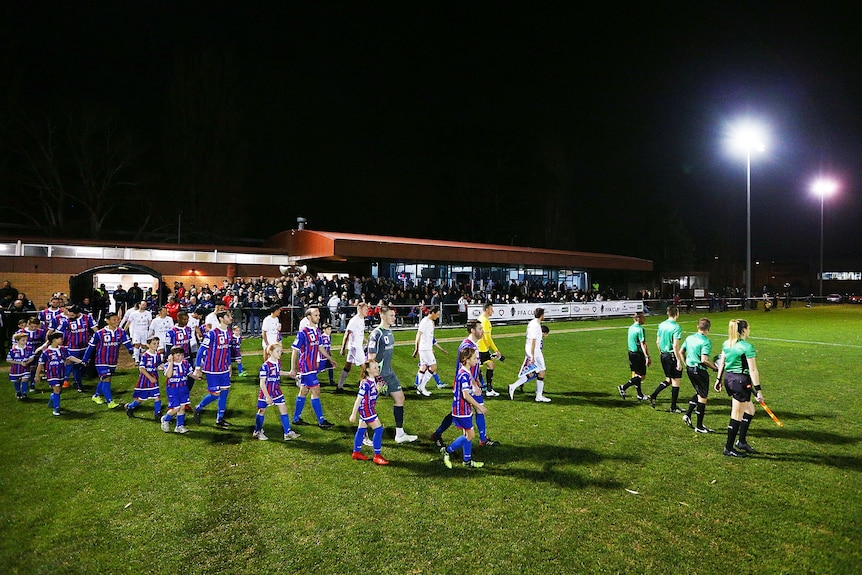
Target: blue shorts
x,y
177,396
218,381
309,380
463,422
262,404
105,370
146,393
20,377
53,382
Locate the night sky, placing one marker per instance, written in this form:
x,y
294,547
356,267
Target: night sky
x,y
579,128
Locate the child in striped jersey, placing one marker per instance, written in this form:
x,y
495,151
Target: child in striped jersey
x,y
20,357
148,380
177,370
53,363
271,394
236,350
365,407
463,404
326,343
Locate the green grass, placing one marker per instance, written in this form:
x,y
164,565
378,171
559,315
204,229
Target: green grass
x,y
95,492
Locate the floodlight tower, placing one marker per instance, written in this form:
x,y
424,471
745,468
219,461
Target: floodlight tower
x,y
823,187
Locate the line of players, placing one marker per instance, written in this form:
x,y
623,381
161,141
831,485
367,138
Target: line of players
x,y
737,362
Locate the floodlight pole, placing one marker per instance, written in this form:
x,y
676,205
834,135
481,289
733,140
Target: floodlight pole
x,y
822,195
749,278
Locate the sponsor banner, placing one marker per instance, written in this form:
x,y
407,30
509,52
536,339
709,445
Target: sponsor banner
x,y
515,312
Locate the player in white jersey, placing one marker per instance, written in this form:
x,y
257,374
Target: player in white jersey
x,y
160,325
534,361
424,348
138,322
270,329
353,343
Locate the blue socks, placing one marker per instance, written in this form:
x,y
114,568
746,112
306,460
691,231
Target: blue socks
x,y
358,437
258,422
285,422
300,405
318,409
208,399
378,440
222,404
437,378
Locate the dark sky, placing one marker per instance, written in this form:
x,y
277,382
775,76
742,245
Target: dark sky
x,y
393,117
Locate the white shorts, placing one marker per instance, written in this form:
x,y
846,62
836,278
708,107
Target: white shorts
x,y
138,336
426,357
539,361
264,345
356,356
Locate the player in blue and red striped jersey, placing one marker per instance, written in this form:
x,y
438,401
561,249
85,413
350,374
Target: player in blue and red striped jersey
x,y
20,356
104,351
53,363
148,380
463,404
475,331
36,339
77,329
304,363
365,407
48,316
177,372
271,394
213,360
182,335
326,344
236,350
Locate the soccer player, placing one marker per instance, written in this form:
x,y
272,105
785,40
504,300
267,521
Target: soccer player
x,y
304,363
488,349
474,335
424,348
271,328
159,327
20,356
180,335
326,344
48,316
148,379
77,329
138,322
463,403
365,407
353,343
104,349
697,349
177,373
271,394
53,362
213,360
534,361
381,344
639,358
738,361
36,335
669,342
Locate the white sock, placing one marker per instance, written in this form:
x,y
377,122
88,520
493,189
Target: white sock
x,y
540,387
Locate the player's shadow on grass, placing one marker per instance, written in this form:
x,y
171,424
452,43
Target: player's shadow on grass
x,y
837,461
824,437
596,399
72,414
787,415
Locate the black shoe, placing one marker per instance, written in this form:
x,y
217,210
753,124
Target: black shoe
x,y
732,453
704,430
438,441
622,391
339,390
299,421
687,420
130,412
157,416
197,416
651,401
744,447
325,425
675,410
223,424
489,443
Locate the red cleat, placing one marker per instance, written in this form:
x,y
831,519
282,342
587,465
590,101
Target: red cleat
x,y
378,459
358,455
66,384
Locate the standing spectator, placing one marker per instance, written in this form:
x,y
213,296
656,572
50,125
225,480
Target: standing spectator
x,y
173,307
134,296
333,304
7,291
121,301
381,344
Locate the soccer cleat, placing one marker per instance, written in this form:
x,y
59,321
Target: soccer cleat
x,y
704,430
299,421
197,416
181,429
157,416
543,399
291,435
366,441
474,464
512,391
66,384
732,453
244,374
651,401
380,460
98,399
491,393
447,461
260,436
642,397
687,420
130,412
80,390
438,441
357,455
56,412
744,447
441,385
405,438
223,424
325,425
423,392
114,405
166,425
675,410
489,443
622,391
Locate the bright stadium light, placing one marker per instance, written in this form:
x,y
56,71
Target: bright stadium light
x,y
747,137
823,187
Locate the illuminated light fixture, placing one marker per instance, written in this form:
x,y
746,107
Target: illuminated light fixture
x,y
823,187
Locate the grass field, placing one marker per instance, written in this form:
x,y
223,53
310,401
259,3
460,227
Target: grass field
x,y
95,492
